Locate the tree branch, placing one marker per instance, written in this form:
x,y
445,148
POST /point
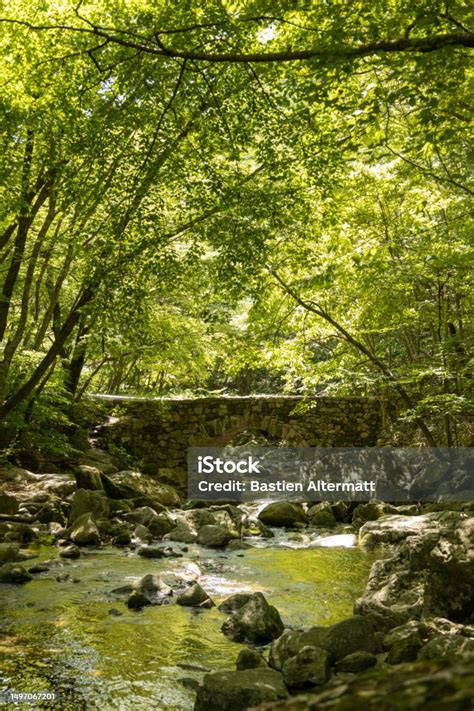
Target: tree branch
x,y
156,47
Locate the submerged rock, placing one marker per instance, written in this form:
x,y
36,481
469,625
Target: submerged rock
x,y
70,552
151,552
239,690
254,621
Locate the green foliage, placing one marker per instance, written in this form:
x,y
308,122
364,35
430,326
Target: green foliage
x,y
172,224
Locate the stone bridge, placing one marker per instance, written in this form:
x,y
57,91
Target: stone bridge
x,y
158,432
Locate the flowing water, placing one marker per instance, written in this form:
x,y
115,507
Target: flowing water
x,y
60,636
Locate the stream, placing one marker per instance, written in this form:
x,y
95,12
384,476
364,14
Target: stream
x,y
61,636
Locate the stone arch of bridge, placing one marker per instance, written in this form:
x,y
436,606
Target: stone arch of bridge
x,y
220,433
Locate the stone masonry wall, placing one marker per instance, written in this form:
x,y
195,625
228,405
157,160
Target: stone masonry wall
x,y
159,432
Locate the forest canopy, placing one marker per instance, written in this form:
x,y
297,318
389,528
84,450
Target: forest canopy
x,y
236,197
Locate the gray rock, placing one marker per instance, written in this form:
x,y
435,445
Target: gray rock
x,y
415,686
355,634
70,552
356,662
8,552
453,646
309,667
130,484
143,533
92,502
404,642
142,515
371,511
161,524
234,602
122,539
153,589
340,510
213,536
250,659
431,573
136,600
100,459
239,690
14,573
8,504
151,552
195,596
287,645
252,526
88,478
282,514
322,515
256,621
181,533
84,531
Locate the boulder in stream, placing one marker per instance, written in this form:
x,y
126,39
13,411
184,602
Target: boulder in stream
x,y
14,573
284,514
70,552
255,621
213,536
85,501
322,515
84,531
150,590
195,596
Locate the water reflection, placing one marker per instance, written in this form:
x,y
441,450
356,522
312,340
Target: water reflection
x,y
60,635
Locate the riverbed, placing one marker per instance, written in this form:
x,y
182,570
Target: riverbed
x,y
78,639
